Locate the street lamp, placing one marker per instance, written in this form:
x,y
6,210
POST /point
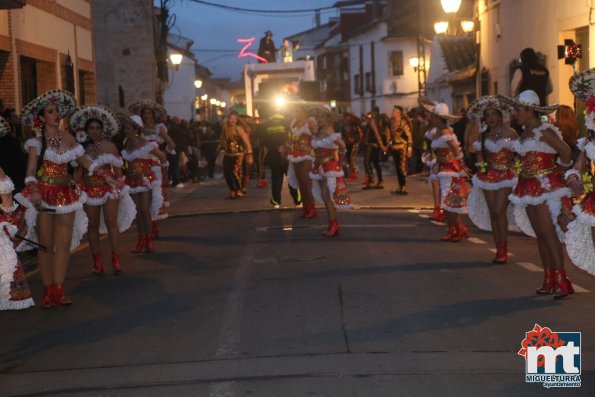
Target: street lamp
x,y
198,83
176,59
213,101
451,6
467,26
204,97
441,27
223,104
218,103
414,63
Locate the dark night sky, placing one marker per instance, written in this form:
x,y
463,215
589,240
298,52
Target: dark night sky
x,y
215,28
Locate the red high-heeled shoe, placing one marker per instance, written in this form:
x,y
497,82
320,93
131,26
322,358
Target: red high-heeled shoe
x,y
333,229
47,301
150,245
59,297
450,233
97,268
548,282
312,213
562,284
116,265
154,230
501,253
437,215
140,244
462,233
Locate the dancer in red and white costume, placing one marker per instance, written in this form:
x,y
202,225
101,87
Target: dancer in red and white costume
x,y
488,201
14,290
300,156
327,174
145,186
580,238
55,216
451,171
541,188
109,208
152,115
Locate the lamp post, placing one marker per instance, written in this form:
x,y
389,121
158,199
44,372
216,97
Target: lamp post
x,y
456,26
197,83
176,59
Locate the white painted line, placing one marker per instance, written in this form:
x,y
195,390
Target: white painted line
x,y
494,251
414,211
290,228
530,266
425,216
438,223
379,226
476,240
578,288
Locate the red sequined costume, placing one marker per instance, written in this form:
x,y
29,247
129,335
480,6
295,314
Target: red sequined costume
x,y
327,166
579,240
300,149
449,170
57,189
160,171
14,290
497,173
541,180
99,191
140,175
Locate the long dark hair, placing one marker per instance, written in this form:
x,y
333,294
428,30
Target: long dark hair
x,y
43,144
485,133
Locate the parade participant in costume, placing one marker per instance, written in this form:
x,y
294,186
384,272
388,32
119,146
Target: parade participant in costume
x,y
580,238
152,115
376,144
496,176
145,186
401,146
451,171
541,188
235,143
55,216
273,135
300,156
14,290
351,133
266,48
428,158
105,203
327,175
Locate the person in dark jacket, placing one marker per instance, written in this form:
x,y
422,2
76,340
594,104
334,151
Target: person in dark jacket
x,y
531,75
267,49
273,135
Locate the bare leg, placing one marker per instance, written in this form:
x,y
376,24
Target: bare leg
x,y
45,229
63,225
497,201
93,212
328,202
550,248
110,215
305,183
145,206
436,192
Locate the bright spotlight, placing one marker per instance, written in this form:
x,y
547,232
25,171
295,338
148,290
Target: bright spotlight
x,y
280,101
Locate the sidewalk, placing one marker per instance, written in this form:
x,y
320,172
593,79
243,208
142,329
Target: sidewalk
x,y
210,196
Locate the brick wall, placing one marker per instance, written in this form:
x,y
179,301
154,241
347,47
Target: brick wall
x,y
7,93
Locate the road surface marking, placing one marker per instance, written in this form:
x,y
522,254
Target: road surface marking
x,y
494,251
578,288
414,211
425,216
530,266
290,228
476,240
438,223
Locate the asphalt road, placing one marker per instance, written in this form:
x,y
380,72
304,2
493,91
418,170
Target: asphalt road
x,y
259,303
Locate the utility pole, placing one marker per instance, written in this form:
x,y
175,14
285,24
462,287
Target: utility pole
x,y
421,51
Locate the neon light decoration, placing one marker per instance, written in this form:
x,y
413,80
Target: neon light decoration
x,y
243,52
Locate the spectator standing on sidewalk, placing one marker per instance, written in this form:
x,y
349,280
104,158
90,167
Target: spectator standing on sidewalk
x,y
418,131
180,136
209,139
376,145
